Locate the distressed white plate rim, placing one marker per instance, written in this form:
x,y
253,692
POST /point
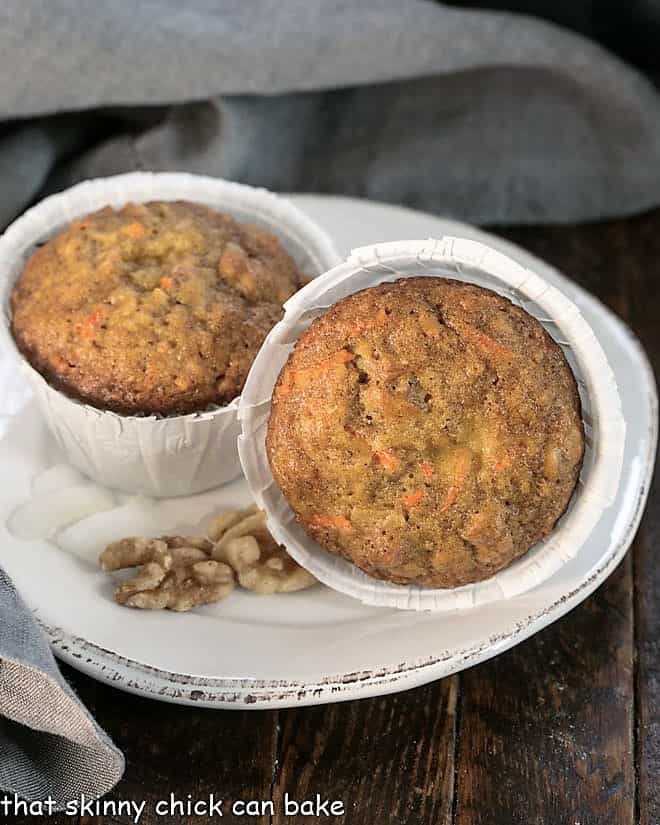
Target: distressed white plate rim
x,y
341,650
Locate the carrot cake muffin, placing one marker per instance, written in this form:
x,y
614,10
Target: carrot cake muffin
x,y
427,430
153,308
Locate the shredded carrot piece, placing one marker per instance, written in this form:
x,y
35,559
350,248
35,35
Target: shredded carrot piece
x,y
387,460
166,282
485,343
427,470
502,463
463,464
87,326
450,498
308,375
336,522
59,363
430,325
369,322
286,383
412,499
134,230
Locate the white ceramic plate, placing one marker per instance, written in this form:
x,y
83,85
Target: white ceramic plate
x,y
305,648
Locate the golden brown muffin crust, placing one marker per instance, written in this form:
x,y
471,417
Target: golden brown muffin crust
x,y
427,430
153,308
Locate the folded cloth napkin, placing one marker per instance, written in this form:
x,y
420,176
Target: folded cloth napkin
x,y
50,746
485,116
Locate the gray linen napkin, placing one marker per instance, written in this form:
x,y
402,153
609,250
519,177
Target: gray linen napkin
x,y
485,116
49,744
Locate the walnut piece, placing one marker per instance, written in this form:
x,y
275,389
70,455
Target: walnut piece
x,y
176,572
133,552
227,519
246,526
183,587
199,542
260,564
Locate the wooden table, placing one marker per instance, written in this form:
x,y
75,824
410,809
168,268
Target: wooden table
x,y
562,730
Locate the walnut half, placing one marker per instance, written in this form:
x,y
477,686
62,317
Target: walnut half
x,y
260,564
176,573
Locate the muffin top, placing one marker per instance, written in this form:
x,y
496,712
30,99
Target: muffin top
x,y
152,308
427,430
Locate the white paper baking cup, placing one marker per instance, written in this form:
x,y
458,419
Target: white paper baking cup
x,y
168,456
474,262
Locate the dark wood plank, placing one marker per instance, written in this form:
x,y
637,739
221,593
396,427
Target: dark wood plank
x,y
647,625
186,751
639,261
547,730
592,254
588,254
388,759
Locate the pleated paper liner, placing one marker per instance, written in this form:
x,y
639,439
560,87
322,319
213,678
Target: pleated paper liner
x,y
474,262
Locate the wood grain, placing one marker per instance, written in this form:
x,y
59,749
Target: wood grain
x,y
388,759
647,687
546,731
191,752
638,262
